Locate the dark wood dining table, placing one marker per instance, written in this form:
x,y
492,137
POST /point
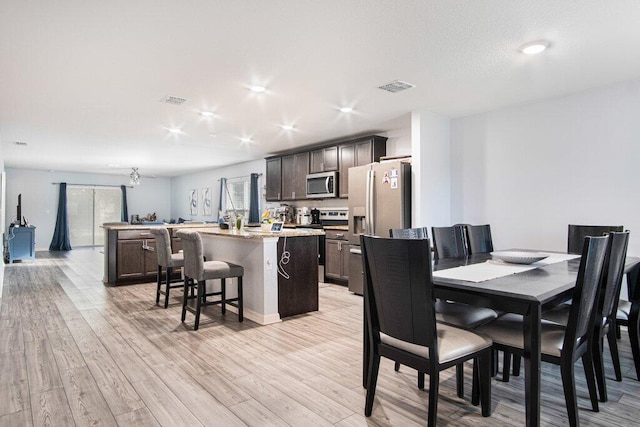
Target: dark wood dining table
x,y
528,293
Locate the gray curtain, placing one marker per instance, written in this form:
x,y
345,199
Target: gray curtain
x,y
254,201
60,241
223,184
124,212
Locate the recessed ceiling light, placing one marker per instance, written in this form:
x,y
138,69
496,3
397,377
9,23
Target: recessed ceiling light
x,y
113,165
258,89
206,113
533,48
346,109
212,135
174,130
287,127
245,139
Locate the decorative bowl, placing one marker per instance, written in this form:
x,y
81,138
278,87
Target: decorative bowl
x,y
519,257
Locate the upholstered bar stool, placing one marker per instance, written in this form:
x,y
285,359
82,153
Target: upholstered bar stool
x,y
197,271
166,260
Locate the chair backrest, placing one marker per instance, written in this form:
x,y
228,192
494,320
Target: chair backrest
x,y
479,239
583,308
449,242
163,245
613,273
193,258
577,233
398,290
408,233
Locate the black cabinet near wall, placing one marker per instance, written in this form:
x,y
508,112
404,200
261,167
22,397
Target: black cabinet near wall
x,y
295,168
298,293
324,160
358,153
274,179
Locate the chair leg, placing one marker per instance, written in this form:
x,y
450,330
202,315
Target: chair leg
x,y
615,357
634,335
494,362
460,380
434,385
159,285
184,298
587,362
598,366
569,387
166,294
484,378
223,289
506,366
199,298
372,379
618,332
516,365
475,382
396,366
240,304
421,380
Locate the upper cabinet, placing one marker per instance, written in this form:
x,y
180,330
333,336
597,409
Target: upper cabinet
x,y
287,174
295,169
358,153
274,179
324,160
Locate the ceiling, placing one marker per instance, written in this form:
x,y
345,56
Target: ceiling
x,y
81,82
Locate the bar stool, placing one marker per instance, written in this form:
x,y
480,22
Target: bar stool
x,y
166,260
197,271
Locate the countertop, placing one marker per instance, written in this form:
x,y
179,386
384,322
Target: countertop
x,y
257,233
337,227
148,226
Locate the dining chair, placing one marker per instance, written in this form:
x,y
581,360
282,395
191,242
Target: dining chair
x,y
628,314
449,242
197,272
166,260
562,345
401,320
456,314
479,239
607,308
577,233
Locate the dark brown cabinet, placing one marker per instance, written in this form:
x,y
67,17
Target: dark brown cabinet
x,y
324,160
294,176
358,153
130,262
274,179
298,293
336,255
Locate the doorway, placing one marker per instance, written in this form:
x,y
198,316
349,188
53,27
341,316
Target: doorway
x,y
87,209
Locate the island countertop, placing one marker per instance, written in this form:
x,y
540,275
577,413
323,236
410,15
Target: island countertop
x,y
257,233
148,226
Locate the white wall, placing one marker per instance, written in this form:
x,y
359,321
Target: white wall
x,y
40,197
181,185
530,170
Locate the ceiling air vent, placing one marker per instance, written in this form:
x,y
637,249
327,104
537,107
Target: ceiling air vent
x,y
175,100
21,143
396,86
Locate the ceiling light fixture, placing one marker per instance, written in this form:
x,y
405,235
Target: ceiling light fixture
x,y
346,109
287,127
206,113
258,89
174,130
134,177
246,140
533,48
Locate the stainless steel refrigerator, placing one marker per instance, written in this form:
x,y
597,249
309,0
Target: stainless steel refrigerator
x,y
379,199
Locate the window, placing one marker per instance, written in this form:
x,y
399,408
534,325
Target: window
x,y
237,197
87,209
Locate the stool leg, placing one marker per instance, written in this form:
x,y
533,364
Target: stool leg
x,y
201,292
240,312
166,294
184,297
159,285
223,289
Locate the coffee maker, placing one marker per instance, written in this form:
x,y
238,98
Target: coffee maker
x,y
315,216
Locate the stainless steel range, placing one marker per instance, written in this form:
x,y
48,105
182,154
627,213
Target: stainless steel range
x,y
329,217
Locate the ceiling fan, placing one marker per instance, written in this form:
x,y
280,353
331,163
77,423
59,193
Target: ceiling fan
x,y
134,176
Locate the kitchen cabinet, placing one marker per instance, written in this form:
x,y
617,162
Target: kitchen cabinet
x,y
336,255
324,160
298,293
295,169
274,179
358,153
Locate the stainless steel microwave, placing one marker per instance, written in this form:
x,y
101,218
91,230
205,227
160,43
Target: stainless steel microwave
x,y
322,185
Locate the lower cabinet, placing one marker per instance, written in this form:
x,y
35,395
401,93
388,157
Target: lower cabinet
x,y
336,255
298,293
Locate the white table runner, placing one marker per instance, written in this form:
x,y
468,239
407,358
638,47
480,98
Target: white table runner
x,y
492,269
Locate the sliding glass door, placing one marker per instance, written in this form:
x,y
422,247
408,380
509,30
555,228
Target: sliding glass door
x,y
88,208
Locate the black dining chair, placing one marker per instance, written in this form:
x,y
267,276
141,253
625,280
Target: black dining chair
x,y
449,242
628,314
562,345
479,239
607,308
401,320
577,233
456,314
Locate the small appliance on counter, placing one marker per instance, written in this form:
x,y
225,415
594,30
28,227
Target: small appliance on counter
x,y
303,216
315,216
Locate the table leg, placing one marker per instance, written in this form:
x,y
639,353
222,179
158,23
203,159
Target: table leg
x,y
365,348
532,361
634,335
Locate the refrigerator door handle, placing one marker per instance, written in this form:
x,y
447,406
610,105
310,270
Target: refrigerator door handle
x,y
371,179
357,251
366,205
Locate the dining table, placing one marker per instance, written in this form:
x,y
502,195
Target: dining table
x,y
527,291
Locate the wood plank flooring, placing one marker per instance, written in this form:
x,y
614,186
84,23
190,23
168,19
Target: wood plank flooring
x,y
76,352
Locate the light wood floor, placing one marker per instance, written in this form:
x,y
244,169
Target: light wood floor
x,y
75,352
